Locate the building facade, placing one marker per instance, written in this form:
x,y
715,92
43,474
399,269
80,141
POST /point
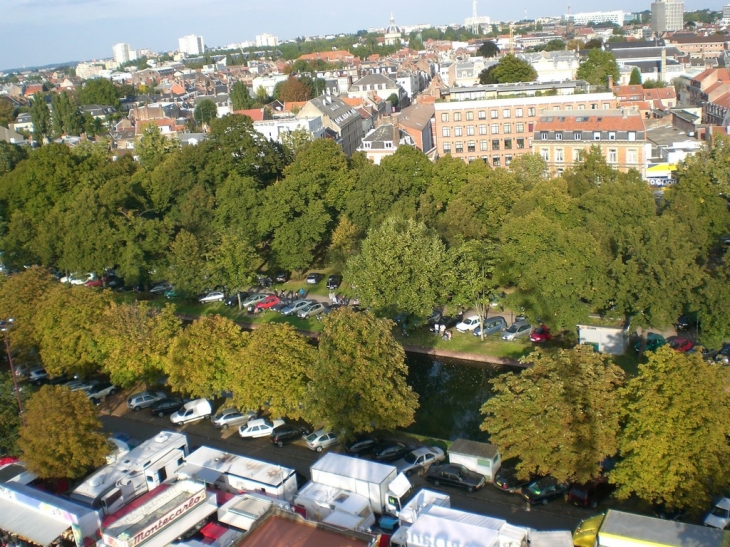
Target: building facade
x,y
498,130
122,54
337,116
191,45
562,137
616,17
266,40
667,16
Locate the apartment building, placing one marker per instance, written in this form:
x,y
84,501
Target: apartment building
x,y
561,137
498,130
667,16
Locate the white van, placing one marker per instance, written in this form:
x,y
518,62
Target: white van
x,y
194,410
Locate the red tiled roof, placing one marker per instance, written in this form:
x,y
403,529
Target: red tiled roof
x,y
723,100
660,93
591,122
256,114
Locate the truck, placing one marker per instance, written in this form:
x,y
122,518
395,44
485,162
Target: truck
x,y
334,506
238,474
423,498
482,458
621,529
381,484
139,471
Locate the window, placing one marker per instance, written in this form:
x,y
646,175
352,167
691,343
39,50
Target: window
x,y
559,155
545,154
457,131
469,129
612,155
594,106
577,154
507,128
508,144
611,135
444,116
482,114
530,111
596,135
445,131
520,127
457,116
495,129
496,161
471,146
470,115
507,160
569,107
558,136
506,113
632,135
483,129
521,144
483,145
631,156
389,145
577,135
544,135
518,112
494,114
495,144
606,106
459,147
447,148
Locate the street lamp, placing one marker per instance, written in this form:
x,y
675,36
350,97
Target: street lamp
x,y
5,326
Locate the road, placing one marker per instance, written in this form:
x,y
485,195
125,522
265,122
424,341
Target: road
x,y
489,501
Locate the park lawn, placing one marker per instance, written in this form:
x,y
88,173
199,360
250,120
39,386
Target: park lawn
x,y
466,343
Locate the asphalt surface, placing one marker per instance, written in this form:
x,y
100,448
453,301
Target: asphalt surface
x,y
557,515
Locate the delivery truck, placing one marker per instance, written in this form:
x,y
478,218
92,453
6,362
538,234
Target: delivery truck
x,y
482,458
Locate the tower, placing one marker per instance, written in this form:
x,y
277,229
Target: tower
x,y
475,25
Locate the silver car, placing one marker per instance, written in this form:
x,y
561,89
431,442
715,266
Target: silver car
x,y
295,307
145,399
312,310
518,329
319,440
232,417
253,299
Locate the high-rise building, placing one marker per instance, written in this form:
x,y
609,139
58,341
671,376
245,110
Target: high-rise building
x,y
726,12
191,45
667,16
266,40
121,53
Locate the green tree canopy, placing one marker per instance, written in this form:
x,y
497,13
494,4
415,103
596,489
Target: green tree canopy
x,y
488,49
62,436
597,66
240,97
509,69
674,446
358,379
10,421
555,44
205,111
41,117
561,416
635,77
152,146
99,91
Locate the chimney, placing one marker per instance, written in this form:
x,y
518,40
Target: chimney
x,y
610,81
663,65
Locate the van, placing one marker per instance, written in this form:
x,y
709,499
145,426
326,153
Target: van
x,y
198,409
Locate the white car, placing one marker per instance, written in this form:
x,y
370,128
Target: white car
x,y
161,288
420,458
719,515
261,427
213,296
319,440
518,329
78,279
295,306
468,324
254,299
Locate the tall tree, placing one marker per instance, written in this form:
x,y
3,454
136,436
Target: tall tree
x,y
41,117
240,97
635,77
509,69
358,380
293,90
561,416
205,111
7,109
153,147
10,156
187,264
10,414
72,442
99,91
233,260
597,66
488,49
674,446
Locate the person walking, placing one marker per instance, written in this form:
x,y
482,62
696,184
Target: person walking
x,y
442,329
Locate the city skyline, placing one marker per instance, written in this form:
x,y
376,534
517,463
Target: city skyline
x,y
42,32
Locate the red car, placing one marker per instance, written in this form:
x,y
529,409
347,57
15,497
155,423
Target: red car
x,y
268,302
541,334
683,345
96,282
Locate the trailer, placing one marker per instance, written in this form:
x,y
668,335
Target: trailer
x,y
139,471
381,484
239,474
482,458
418,503
604,339
321,503
242,512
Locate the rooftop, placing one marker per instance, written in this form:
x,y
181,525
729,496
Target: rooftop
x,y
286,530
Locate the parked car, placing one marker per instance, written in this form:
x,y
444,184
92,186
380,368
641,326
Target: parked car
x,y
334,282
543,490
389,451
447,321
719,515
453,474
361,446
260,427
680,344
541,335
268,302
506,477
468,324
37,376
94,282
319,440
314,278
518,329
144,399
653,342
721,356
233,299
198,409
98,390
76,385
589,494
420,458
166,406
281,277
213,296
492,325
232,417
287,433
312,310
77,278
171,293
295,307
254,299
683,323
161,287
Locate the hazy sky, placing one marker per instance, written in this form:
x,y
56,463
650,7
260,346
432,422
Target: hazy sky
x,y
40,32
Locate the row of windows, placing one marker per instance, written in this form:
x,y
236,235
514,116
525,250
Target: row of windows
x,y
518,112
496,144
578,136
611,156
494,129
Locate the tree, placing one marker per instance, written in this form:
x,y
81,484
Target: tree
x,y
676,456
293,90
273,370
488,49
61,436
555,44
593,43
240,97
203,357
296,141
187,264
7,109
529,169
10,156
10,414
233,261
99,91
652,84
358,380
597,66
205,111
393,100
402,268
561,416
153,147
509,69
635,77
41,116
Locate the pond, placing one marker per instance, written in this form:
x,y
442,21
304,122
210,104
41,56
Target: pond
x,y
450,393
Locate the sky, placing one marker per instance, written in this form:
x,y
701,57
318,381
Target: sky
x,y
41,32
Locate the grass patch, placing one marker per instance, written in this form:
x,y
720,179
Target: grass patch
x,y
467,343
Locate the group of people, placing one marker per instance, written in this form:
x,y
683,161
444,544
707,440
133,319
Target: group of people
x,y
338,299
440,330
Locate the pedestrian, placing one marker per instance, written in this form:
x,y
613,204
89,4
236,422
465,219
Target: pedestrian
x,y
448,335
442,329
436,329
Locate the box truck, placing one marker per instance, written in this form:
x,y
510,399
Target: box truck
x,y
482,458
